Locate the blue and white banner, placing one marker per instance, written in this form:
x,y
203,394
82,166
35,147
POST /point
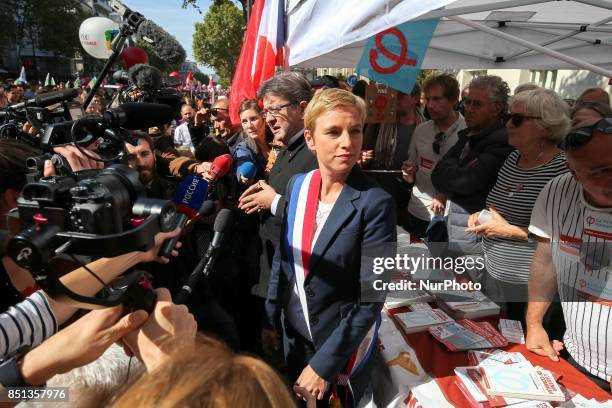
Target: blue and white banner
x,y
394,56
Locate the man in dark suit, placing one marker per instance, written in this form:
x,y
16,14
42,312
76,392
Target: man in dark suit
x,y
285,97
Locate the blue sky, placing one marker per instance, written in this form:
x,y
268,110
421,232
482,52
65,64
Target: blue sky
x,y
169,15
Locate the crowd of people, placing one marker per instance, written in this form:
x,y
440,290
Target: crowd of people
x,y
510,178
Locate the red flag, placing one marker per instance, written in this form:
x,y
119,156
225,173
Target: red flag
x,y
189,78
262,52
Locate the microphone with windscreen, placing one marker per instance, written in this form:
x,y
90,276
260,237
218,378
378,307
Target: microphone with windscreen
x,y
220,166
222,227
246,170
138,115
49,98
190,202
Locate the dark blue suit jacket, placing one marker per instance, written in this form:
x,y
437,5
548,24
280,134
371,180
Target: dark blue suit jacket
x,y
360,225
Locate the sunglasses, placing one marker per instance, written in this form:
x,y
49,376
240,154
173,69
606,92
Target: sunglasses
x,y
518,119
215,111
437,143
581,136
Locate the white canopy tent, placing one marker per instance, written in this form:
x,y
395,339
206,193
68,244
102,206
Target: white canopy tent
x,y
472,34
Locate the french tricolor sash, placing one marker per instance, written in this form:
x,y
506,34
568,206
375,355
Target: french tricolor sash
x,y
299,243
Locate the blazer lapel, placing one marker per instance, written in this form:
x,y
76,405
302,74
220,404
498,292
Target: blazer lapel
x,y
343,210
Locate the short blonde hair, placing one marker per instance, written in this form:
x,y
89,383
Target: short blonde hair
x,y
550,108
328,100
208,375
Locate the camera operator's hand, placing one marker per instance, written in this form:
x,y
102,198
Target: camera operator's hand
x,y
201,117
29,129
170,327
160,237
79,344
75,158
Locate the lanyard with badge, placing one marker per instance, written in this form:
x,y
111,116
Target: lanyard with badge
x,y
595,284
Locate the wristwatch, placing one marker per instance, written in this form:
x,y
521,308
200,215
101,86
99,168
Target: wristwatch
x,y
10,373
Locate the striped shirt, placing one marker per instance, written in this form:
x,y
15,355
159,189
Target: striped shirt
x,y
581,243
513,196
27,324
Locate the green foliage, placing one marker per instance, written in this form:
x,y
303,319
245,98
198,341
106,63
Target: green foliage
x,y
50,24
194,4
217,41
203,78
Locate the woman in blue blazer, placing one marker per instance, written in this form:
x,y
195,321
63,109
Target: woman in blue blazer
x,y
336,221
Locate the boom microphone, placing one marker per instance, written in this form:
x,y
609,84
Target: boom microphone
x,y
145,77
221,165
163,44
49,98
222,227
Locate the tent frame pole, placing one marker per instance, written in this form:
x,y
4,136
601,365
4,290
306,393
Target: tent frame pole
x,y
561,38
566,58
557,26
596,3
449,12
606,41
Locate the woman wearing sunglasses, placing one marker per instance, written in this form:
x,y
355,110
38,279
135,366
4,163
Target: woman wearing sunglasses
x,y
538,122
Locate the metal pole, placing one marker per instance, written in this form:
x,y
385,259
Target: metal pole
x,y
562,37
448,12
535,47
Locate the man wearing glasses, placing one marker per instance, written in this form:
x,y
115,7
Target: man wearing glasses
x,y
572,221
469,170
430,142
285,97
222,123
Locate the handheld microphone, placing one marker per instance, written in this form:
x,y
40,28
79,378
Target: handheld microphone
x,y
220,166
189,200
49,98
222,227
247,170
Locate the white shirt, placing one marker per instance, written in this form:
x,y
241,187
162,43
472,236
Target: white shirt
x,y
581,243
182,137
295,314
421,152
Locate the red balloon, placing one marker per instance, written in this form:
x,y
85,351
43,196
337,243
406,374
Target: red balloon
x,y
131,56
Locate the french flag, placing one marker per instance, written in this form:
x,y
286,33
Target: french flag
x,y
261,54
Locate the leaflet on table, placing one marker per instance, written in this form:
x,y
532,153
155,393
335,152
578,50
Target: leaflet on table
x,y
413,322
512,330
521,381
495,357
419,306
403,298
465,304
469,380
467,335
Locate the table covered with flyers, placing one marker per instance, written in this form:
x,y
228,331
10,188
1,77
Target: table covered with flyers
x,y
416,367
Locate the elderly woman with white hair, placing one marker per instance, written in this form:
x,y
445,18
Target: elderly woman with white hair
x,y
538,122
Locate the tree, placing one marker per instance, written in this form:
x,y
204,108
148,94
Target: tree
x,y
243,3
217,41
203,78
50,24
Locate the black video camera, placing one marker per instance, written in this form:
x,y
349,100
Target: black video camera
x,y
99,213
